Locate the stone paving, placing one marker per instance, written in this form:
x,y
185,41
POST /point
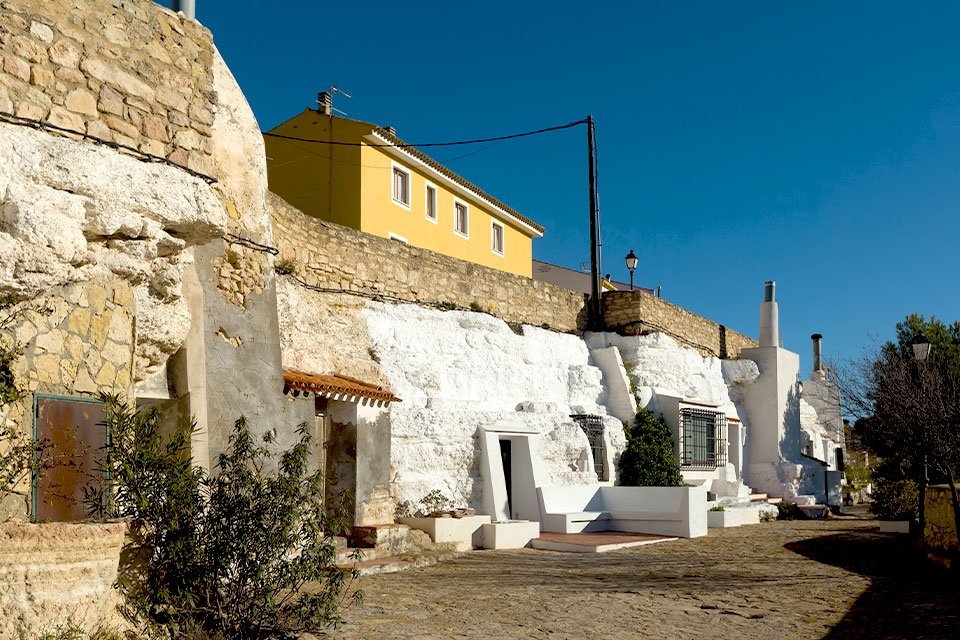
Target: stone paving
x,y
799,579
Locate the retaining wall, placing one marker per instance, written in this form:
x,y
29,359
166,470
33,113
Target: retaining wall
x,y
328,255
638,312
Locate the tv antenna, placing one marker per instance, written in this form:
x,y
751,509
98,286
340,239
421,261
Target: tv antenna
x,y
334,90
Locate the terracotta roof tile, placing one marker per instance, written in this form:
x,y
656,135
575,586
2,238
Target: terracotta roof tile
x,y
333,384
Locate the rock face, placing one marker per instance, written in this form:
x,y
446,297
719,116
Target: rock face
x,y
656,364
54,574
73,211
460,371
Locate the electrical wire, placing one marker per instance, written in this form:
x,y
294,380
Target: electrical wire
x,y
430,144
252,244
140,155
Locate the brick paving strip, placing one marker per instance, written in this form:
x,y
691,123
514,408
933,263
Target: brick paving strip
x,y
800,579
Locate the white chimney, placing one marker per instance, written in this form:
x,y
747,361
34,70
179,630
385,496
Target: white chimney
x,y
819,373
769,316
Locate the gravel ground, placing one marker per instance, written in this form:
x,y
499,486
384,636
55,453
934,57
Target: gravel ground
x,y
800,579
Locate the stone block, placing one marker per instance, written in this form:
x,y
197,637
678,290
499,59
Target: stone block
x,y
47,368
79,322
81,101
17,67
110,101
122,127
65,53
31,111
41,32
155,129
28,50
112,75
41,77
65,119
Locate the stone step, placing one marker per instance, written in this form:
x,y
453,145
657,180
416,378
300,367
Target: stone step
x,y
390,564
774,500
348,555
758,497
382,536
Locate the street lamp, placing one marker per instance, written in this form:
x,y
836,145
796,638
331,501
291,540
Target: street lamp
x,y
921,351
631,265
921,347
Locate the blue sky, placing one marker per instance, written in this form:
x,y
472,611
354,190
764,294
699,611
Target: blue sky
x,y
816,143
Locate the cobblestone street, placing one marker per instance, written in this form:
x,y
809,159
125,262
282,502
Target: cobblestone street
x,y
800,579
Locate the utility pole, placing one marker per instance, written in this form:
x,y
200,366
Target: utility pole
x,y
595,308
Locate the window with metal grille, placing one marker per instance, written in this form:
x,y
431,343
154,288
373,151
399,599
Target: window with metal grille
x,y
702,445
593,426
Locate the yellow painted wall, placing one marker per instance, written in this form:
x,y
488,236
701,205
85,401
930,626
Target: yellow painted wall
x,y
353,186
381,215
302,173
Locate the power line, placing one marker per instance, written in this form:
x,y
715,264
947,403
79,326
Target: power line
x,y
137,153
431,144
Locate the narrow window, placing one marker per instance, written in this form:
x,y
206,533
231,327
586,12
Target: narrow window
x,y
401,186
431,203
462,219
592,426
496,238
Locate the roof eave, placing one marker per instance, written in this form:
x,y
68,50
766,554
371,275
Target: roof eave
x,y
533,229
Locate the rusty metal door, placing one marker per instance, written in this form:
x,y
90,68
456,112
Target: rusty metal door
x,y
76,429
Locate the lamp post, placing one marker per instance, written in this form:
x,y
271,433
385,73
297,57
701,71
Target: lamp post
x,y
631,265
920,346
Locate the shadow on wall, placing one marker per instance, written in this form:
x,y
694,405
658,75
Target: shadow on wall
x,y
908,597
583,317
790,442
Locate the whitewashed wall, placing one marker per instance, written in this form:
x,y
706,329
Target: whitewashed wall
x,y
460,371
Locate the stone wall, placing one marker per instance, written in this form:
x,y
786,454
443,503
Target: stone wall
x,y
638,312
127,71
78,341
329,255
57,575
459,372
940,531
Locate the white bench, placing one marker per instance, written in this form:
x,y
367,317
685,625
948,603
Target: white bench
x,y
671,511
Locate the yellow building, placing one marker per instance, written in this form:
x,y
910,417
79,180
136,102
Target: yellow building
x,y
375,183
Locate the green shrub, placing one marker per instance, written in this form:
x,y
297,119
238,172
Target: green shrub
x,y
229,555
286,266
649,459
717,508
895,499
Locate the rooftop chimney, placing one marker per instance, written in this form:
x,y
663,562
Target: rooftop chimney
x,y
186,7
769,316
391,131
325,103
818,370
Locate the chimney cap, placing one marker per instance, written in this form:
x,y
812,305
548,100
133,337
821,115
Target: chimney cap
x,y
770,291
816,336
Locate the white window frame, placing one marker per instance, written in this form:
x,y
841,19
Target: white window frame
x,y
394,167
466,209
397,237
436,202
503,238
